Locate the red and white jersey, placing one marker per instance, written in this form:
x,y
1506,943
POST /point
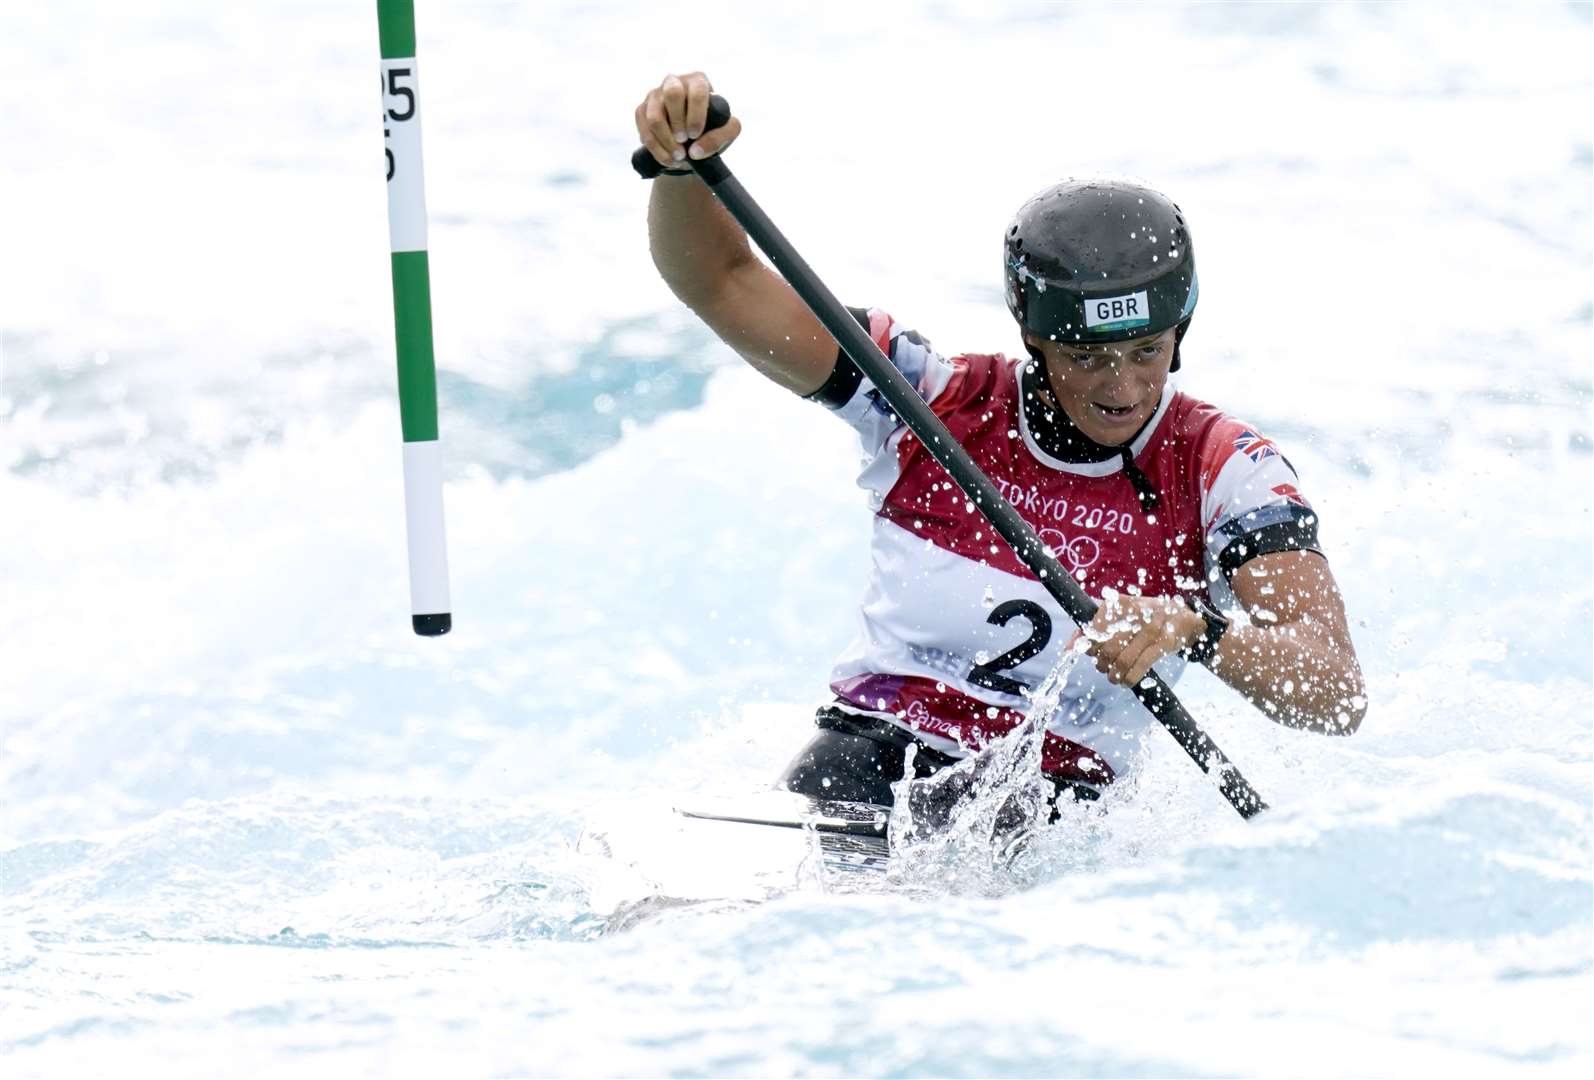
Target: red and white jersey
x,y
955,632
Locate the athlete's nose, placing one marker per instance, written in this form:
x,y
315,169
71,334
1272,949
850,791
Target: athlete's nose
x,y
1118,384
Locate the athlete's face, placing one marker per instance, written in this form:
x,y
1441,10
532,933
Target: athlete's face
x,y
1109,391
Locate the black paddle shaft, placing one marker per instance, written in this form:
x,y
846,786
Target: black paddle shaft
x,y
1152,691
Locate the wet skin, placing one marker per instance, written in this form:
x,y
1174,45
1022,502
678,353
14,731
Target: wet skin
x,y
1108,391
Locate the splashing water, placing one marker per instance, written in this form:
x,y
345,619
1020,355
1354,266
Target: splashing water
x,y
966,828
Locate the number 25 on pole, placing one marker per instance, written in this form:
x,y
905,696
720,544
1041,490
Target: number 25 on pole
x,y
430,610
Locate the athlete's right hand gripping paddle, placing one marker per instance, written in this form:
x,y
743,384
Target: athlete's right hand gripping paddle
x,y
1152,691
647,166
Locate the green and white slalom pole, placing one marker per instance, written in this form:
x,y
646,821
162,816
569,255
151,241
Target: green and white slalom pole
x,y
412,320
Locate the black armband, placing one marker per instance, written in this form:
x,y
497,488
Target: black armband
x,y
1288,527
845,377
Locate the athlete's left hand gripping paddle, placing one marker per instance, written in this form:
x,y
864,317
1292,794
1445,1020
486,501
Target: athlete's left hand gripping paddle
x,y
412,320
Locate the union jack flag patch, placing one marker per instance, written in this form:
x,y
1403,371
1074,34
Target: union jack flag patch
x,y
1255,446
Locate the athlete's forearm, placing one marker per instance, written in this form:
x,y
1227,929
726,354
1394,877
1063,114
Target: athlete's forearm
x,y
695,242
1296,674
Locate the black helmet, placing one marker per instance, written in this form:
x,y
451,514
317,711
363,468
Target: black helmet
x,y
1100,261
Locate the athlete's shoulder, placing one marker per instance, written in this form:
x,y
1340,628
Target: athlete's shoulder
x,y
978,378
1214,438
948,383
1194,419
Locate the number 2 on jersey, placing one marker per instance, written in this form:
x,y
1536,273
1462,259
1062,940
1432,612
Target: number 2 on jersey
x,y
1040,632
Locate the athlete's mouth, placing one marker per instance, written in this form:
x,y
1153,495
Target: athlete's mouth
x,y
1116,412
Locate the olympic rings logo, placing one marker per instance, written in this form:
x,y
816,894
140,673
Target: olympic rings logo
x,y
1076,554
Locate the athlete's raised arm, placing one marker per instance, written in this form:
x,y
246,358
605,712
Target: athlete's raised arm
x,y
703,254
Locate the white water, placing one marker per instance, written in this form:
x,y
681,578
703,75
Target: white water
x,y
252,824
